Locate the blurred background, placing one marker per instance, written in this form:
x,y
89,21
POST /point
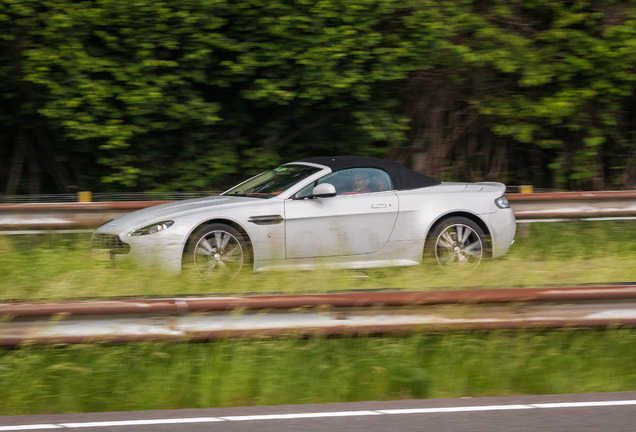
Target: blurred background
x,y
172,99
113,96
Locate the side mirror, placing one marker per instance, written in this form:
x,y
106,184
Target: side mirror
x,y
323,190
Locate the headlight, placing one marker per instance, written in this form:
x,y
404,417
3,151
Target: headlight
x,y
502,202
151,229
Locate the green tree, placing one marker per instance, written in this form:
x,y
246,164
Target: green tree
x,y
182,94
195,94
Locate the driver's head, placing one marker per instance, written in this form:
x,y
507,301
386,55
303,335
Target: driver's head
x,y
360,182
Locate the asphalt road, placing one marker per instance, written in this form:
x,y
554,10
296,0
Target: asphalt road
x,y
577,413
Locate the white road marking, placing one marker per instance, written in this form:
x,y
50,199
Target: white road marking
x,y
584,404
303,415
319,415
29,427
455,409
142,422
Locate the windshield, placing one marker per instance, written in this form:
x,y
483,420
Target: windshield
x,y
274,182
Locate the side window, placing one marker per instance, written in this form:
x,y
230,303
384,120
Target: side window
x,y
352,181
305,192
358,180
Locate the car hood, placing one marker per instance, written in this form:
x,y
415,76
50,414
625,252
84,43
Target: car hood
x,y
175,209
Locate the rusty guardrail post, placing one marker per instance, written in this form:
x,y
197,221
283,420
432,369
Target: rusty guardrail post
x,y
523,230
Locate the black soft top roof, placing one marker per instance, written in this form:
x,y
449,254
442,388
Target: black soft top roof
x,y
401,176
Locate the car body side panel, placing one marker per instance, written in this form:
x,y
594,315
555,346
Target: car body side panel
x,y
267,236
341,225
502,227
165,249
420,209
376,260
261,219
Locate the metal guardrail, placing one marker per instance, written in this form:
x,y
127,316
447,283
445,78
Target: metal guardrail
x,y
55,216
102,197
573,205
536,206
326,314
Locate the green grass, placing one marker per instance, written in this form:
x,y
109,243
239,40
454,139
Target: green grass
x,y
39,380
58,266
60,379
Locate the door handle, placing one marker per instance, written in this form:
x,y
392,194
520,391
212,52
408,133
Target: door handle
x,y
378,205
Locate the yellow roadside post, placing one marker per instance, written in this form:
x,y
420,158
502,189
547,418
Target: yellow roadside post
x,y
84,196
523,229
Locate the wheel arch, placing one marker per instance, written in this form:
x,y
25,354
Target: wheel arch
x,y
224,221
471,216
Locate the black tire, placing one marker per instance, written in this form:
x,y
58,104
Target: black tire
x,y
457,242
217,251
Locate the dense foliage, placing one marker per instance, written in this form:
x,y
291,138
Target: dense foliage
x,y
194,94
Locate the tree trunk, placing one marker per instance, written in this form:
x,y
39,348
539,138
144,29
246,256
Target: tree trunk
x,y
58,171
15,172
35,172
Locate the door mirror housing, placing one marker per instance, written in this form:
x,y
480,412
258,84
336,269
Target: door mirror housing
x,y
323,190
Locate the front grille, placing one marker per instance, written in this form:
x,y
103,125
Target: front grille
x,y
110,242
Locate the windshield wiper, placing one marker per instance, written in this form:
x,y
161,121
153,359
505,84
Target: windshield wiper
x,y
252,195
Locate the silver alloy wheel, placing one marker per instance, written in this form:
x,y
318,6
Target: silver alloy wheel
x,y
459,245
218,253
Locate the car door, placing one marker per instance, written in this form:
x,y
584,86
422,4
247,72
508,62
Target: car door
x,y
353,222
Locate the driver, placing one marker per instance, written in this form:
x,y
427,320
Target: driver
x,y
360,183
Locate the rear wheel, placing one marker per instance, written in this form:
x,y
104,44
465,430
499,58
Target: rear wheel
x,y
457,242
217,251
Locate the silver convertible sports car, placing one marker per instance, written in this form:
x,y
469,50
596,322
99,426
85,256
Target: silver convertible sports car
x,y
344,212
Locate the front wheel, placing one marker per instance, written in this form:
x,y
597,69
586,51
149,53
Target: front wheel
x,y
457,242
217,250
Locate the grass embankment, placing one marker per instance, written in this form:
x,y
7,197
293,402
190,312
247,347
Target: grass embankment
x,y
37,380
291,371
59,267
